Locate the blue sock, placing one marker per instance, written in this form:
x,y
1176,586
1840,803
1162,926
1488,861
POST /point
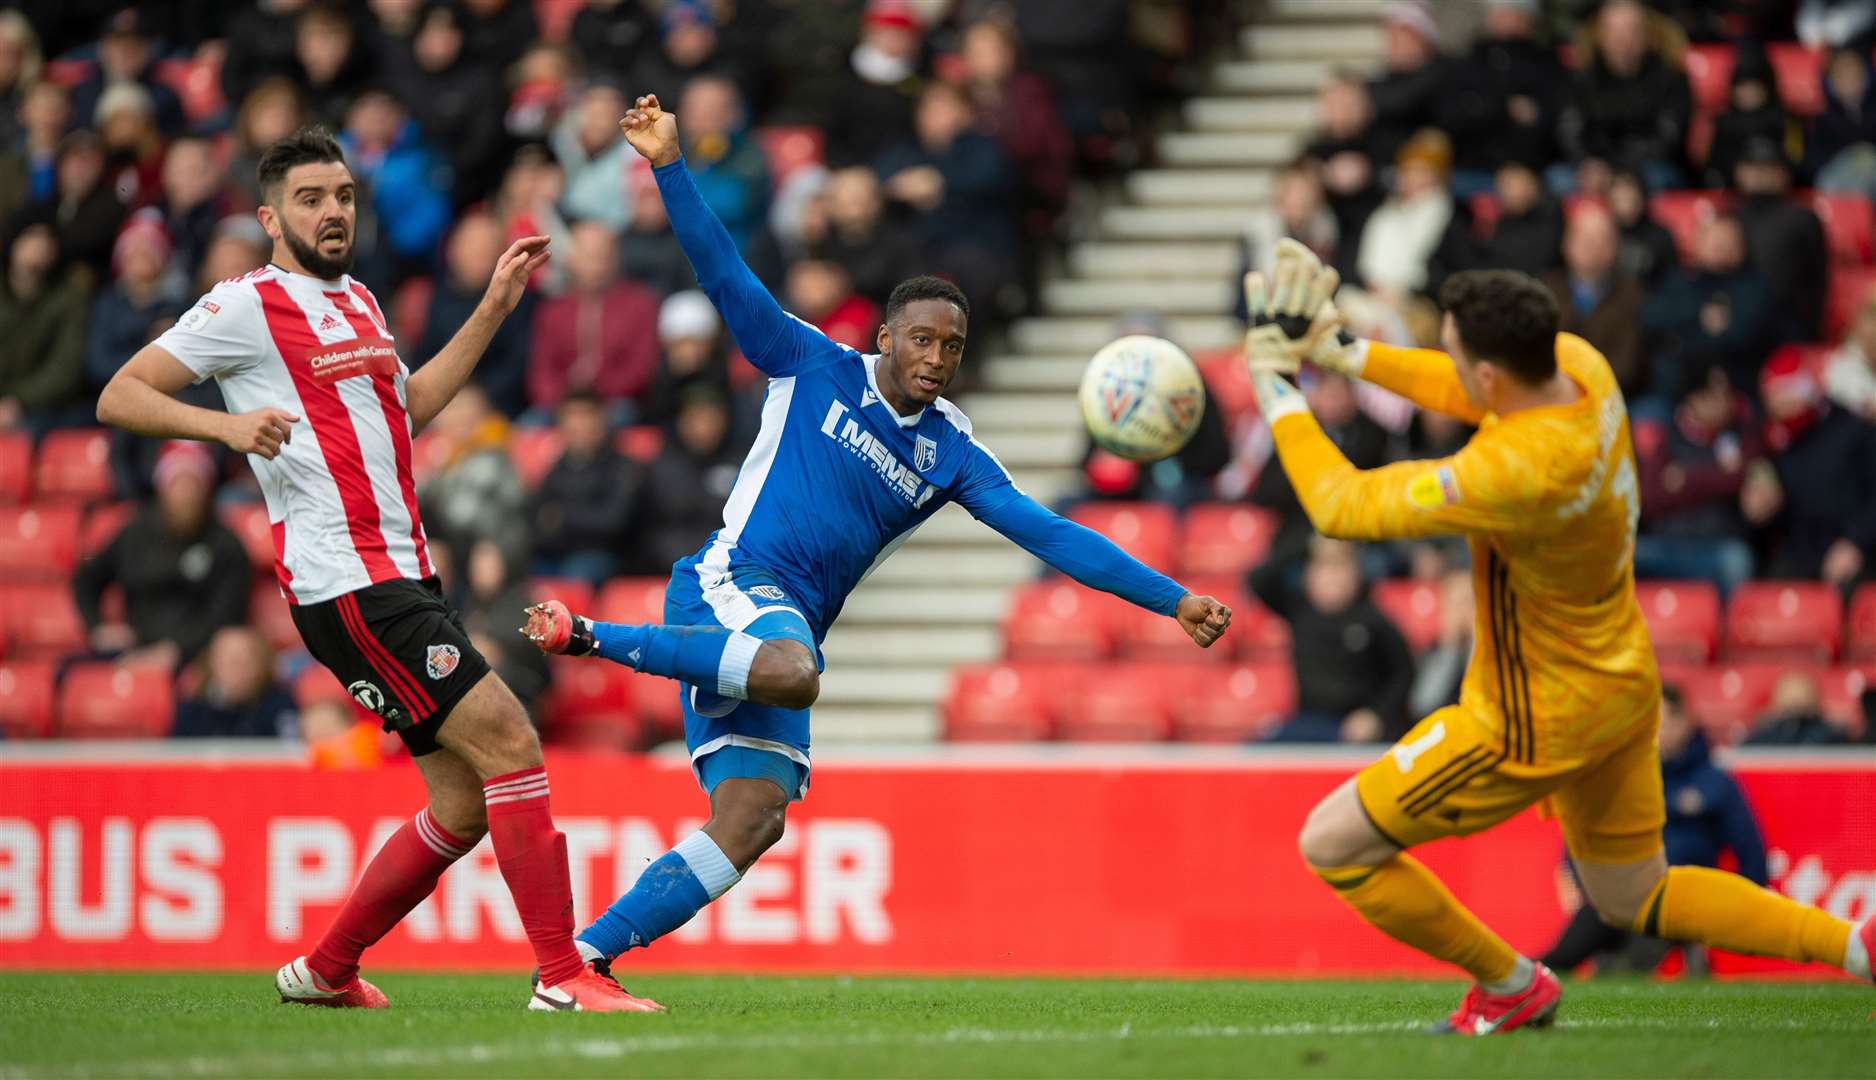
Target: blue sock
x,y
711,657
672,889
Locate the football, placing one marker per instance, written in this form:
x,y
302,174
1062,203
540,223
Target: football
x,y
1141,398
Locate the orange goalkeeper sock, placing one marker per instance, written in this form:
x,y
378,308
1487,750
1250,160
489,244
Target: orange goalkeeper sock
x,y
1402,899
1713,907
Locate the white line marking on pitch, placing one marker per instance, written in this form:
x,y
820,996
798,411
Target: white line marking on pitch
x,y
629,1045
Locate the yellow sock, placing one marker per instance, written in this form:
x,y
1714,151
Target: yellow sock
x,y
1402,899
1713,907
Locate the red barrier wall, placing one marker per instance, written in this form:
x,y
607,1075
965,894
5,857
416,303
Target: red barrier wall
x,y
999,867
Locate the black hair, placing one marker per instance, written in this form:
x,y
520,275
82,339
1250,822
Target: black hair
x,y
1671,694
1506,318
924,287
310,145
583,395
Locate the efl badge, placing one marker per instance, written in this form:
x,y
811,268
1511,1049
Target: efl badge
x,y
925,454
441,660
367,696
1433,490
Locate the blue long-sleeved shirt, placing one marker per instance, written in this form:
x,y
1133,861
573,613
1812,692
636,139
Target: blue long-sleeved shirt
x,y
837,479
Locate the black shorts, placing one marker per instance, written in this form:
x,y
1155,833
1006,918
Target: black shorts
x,y
400,651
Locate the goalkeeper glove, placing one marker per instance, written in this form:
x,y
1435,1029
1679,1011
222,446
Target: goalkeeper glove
x,y
1294,317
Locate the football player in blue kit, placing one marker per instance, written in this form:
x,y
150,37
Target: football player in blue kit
x,y
853,454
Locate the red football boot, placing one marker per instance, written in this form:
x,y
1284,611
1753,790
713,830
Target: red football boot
x,y
589,991
303,986
1492,1014
554,629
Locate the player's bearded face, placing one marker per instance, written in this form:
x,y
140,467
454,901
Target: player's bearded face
x,y
326,251
318,216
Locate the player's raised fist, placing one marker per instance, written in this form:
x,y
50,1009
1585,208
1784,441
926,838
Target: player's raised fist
x,y
1203,618
263,432
651,131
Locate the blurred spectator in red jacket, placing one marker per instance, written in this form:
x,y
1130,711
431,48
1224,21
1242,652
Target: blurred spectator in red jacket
x,y
1705,485
593,335
1826,460
542,89
1017,108
133,149
819,291
1850,373
1601,301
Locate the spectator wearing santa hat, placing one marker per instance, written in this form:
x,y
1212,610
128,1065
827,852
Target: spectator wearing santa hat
x,y
1826,462
875,106
140,302
184,574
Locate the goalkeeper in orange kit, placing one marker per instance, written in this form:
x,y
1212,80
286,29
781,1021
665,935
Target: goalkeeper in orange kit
x,y
1561,699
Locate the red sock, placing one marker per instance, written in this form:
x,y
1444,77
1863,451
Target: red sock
x,y
533,857
402,873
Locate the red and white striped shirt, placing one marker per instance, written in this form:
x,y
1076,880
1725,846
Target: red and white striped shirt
x,y
340,495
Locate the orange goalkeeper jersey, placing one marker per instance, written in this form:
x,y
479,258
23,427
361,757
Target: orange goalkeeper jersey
x,y
1547,499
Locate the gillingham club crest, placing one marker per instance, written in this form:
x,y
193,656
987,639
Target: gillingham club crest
x,y
441,660
924,454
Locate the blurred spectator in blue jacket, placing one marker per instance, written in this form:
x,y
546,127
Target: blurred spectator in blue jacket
x,y
593,154
727,163
1841,148
586,511
475,245
1717,311
959,184
239,697
29,162
141,295
127,55
1707,815
405,186
1705,485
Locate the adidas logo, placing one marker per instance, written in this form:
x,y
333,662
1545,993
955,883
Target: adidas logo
x,y
327,322
867,397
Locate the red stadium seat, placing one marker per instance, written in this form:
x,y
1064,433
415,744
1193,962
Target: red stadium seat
x,y
1413,607
101,526
1117,703
641,442
102,700
1235,704
1143,530
1709,76
1001,703
1683,213
1840,695
1860,636
1224,538
656,701
590,704
1683,619
16,466
573,592
249,522
38,540
1647,435
41,619
429,452
74,464
26,699
196,81
1229,383
1849,287
1784,620
317,684
68,72
534,451
1725,700
1798,71
630,600
410,313
270,613
790,148
1059,620
1848,222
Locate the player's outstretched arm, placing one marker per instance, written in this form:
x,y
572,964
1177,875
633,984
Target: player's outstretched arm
x,y
775,342
140,399
432,386
1099,563
1489,486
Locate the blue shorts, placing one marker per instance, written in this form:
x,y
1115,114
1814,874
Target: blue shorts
x,y
730,738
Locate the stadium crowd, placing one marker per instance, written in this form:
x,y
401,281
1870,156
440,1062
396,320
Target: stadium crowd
x,y
1693,182
846,144
1661,168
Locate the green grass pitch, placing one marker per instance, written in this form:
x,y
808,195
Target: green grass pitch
x,y
232,1026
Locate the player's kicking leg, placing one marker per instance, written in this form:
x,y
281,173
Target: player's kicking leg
x,y
1609,817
